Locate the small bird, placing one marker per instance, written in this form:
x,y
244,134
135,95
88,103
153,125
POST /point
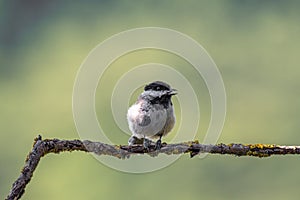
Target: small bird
x,y
152,116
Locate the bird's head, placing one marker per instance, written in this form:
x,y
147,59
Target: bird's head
x,y
158,92
160,87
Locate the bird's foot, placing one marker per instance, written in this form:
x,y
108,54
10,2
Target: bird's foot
x,y
158,144
147,144
135,140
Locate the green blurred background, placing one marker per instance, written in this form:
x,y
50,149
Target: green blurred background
x,y
255,44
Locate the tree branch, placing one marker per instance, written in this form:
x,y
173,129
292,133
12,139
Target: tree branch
x,y
42,147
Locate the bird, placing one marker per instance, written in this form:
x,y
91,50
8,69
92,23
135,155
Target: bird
x,y
152,115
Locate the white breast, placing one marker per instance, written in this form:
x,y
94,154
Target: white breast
x,y
136,116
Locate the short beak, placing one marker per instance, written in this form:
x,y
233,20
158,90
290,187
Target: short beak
x,y
172,92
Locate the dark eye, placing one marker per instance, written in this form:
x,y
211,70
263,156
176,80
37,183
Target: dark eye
x,y
157,88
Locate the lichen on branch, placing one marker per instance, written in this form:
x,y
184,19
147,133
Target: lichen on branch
x,y
43,147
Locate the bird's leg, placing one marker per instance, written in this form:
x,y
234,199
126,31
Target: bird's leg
x,y
134,140
158,143
146,143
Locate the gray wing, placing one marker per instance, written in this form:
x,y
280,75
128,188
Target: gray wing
x,y
146,120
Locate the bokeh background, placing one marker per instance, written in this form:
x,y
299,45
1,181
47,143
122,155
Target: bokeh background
x,y
255,44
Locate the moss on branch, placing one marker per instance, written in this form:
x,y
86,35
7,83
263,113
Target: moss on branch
x,y
43,147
